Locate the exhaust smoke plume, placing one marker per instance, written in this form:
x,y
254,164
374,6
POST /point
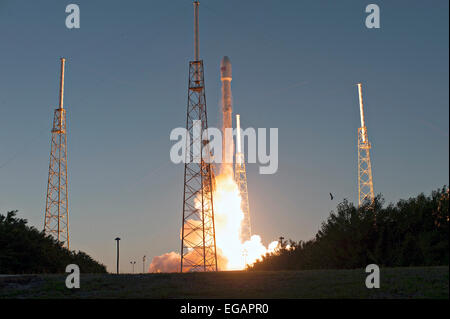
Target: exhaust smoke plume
x,y
169,262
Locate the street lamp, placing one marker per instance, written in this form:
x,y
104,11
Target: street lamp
x,y
133,263
143,264
117,240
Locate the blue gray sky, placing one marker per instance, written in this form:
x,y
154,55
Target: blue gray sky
x,y
295,66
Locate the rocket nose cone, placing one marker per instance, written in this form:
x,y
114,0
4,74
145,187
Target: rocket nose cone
x,y
225,60
225,68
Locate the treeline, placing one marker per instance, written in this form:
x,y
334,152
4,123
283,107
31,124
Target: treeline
x,y
413,232
25,250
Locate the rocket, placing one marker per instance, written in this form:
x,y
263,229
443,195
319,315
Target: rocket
x,y
227,109
225,69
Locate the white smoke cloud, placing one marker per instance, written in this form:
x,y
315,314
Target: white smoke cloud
x,y
168,262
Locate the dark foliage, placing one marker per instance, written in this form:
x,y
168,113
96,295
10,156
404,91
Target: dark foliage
x,y
24,249
414,232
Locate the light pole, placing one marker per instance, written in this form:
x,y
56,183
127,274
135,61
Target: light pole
x,y
143,264
117,240
132,264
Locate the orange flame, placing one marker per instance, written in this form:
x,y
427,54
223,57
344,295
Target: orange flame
x,y
232,254
228,217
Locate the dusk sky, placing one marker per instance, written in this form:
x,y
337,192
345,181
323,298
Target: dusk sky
x,y
295,68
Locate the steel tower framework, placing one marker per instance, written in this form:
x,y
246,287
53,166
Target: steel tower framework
x,y
365,182
56,221
240,176
198,240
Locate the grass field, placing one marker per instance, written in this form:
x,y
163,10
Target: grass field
x,y
413,282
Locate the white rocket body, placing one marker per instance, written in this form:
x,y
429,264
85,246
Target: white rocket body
x,y
227,110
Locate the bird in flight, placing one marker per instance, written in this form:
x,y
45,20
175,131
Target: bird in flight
x,y
331,196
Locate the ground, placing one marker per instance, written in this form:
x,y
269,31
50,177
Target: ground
x,y
411,282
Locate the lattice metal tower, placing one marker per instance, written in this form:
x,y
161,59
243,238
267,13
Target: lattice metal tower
x,y
56,206
240,176
198,239
365,182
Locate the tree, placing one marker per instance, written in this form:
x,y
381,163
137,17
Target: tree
x,y
24,249
413,232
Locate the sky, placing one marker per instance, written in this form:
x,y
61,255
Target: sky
x,y
295,66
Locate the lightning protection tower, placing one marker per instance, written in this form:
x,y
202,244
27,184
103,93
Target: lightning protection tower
x,y
56,209
365,182
198,239
240,176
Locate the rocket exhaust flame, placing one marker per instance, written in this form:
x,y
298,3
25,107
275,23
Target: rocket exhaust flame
x,y
229,216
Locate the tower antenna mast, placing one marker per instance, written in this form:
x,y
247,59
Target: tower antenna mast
x,y
56,219
198,237
240,176
365,182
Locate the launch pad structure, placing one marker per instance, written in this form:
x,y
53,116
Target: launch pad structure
x,y
198,239
365,181
56,220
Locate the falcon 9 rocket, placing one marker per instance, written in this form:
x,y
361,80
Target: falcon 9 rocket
x,y
227,109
